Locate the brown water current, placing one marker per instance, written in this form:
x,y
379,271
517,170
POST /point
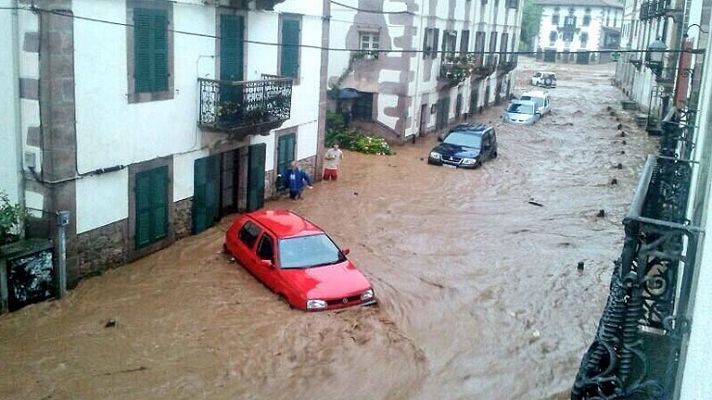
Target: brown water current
x,y
479,293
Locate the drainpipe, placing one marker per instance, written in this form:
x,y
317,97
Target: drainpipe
x,y
419,57
15,60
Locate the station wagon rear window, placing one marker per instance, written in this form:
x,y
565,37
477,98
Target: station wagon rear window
x,y
464,139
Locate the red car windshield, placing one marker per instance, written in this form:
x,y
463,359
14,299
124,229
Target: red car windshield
x,y
308,252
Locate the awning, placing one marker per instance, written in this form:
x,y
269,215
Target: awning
x,y
348,94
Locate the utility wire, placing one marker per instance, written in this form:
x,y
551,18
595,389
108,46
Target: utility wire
x,y
336,49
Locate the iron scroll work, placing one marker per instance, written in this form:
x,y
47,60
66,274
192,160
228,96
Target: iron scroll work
x,y
636,350
245,107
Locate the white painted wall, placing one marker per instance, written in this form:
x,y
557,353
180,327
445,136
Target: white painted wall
x,y
10,145
102,199
696,382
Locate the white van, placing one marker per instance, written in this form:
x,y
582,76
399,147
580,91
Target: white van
x,y
541,98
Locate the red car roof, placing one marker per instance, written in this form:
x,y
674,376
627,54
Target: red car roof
x,y
284,223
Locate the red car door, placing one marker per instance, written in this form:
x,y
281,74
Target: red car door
x,y
244,246
269,274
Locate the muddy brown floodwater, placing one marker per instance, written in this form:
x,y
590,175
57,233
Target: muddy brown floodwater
x,y
479,293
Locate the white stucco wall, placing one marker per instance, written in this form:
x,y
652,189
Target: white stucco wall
x,y
102,199
10,145
696,382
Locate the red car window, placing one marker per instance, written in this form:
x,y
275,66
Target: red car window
x,y
249,233
266,248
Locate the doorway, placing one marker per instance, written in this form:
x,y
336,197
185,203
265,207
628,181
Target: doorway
x,y
424,114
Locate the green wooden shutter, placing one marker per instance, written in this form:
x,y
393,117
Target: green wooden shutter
x,y
159,203
160,51
150,50
231,47
143,209
151,193
285,151
256,176
290,48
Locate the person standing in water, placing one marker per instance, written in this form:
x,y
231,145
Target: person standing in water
x,y
332,159
295,180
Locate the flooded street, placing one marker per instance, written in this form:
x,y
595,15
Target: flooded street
x,y
479,293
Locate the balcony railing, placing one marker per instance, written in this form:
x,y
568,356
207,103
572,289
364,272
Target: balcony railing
x,y
245,107
636,351
653,9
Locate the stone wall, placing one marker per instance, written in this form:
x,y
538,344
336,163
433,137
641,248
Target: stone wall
x,y
101,248
183,218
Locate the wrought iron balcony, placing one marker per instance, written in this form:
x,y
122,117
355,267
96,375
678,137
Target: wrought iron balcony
x,y
245,107
245,4
636,350
653,9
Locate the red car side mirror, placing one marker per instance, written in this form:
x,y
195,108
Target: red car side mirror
x,y
267,263
346,252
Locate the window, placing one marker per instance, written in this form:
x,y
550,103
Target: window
x,y
464,41
553,35
308,251
151,50
587,17
555,19
430,42
286,145
513,4
493,49
584,39
248,234
449,41
369,40
503,48
480,45
290,39
265,250
151,191
569,28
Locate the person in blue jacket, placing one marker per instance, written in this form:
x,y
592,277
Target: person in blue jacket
x,y
294,179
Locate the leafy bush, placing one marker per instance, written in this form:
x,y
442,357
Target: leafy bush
x,y
337,132
12,217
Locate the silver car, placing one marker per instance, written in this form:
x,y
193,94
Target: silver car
x,y
521,112
541,98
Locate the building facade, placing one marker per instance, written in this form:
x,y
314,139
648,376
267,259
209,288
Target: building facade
x,y
418,66
575,30
677,25
148,120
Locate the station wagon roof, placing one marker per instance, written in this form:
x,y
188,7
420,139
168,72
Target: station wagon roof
x,y
284,223
472,127
535,93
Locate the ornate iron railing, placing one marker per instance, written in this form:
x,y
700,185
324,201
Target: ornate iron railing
x,y
636,350
245,107
653,9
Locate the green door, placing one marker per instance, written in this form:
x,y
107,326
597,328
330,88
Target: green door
x,y
285,151
256,177
206,193
151,193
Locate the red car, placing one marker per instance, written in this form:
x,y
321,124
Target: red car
x,y
297,260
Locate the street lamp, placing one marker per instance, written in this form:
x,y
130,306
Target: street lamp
x,y
654,56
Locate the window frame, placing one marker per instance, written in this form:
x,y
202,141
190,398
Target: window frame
x,y
263,237
133,96
280,54
256,236
371,35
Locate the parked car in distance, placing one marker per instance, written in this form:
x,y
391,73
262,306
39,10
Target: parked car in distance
x,y
465,146
297,260
521,112
544,79
541,98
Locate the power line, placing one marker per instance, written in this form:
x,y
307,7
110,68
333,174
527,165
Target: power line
x,y
336,49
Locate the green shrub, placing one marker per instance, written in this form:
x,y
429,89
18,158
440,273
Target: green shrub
x,y
337,132
12,217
